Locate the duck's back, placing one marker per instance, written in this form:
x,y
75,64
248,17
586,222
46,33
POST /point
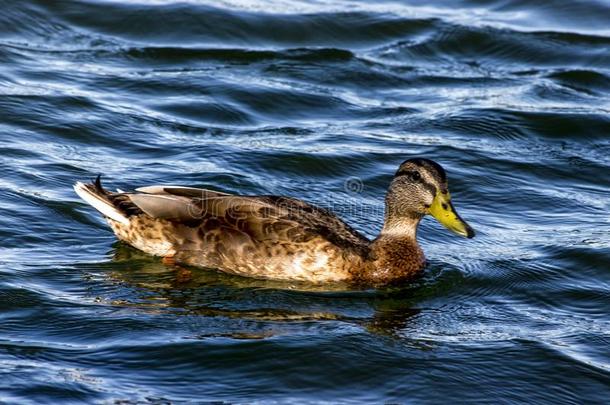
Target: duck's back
x,y
257,236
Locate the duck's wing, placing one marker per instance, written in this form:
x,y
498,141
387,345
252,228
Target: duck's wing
x,y
261,218
180,191
317,221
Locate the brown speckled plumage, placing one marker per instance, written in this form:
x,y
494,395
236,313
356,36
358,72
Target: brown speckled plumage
x,y
273,237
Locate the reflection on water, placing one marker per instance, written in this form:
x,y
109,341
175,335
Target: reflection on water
x,y
211,293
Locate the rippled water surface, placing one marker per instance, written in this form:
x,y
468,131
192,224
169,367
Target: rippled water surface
x,y
321,101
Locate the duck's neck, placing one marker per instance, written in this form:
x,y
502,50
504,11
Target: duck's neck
x,y
400,228
396,253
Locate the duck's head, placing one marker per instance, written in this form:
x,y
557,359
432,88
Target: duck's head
x,y
420,188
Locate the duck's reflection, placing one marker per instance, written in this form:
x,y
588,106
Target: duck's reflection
x,y
209,293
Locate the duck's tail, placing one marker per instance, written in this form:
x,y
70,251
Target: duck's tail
x,y
100,199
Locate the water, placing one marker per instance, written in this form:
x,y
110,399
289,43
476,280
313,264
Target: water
x,y
321,101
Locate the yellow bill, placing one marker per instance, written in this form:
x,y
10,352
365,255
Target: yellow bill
x,y
443,211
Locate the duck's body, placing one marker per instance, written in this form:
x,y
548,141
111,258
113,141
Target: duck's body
x,y
258,236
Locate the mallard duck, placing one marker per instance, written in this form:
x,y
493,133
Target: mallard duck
x,y
281,238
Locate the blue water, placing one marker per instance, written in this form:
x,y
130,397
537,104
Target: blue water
x,y
320,101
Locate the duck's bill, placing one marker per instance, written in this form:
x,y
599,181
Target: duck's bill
x,y
445,213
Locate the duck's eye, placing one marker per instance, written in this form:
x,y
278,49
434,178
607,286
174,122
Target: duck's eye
x,y
415,176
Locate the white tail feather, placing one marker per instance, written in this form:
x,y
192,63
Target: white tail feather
x,y
100,204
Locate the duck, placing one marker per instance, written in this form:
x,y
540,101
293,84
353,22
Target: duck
x,y
277,237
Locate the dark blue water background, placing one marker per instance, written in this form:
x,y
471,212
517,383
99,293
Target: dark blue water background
x,y
321,101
